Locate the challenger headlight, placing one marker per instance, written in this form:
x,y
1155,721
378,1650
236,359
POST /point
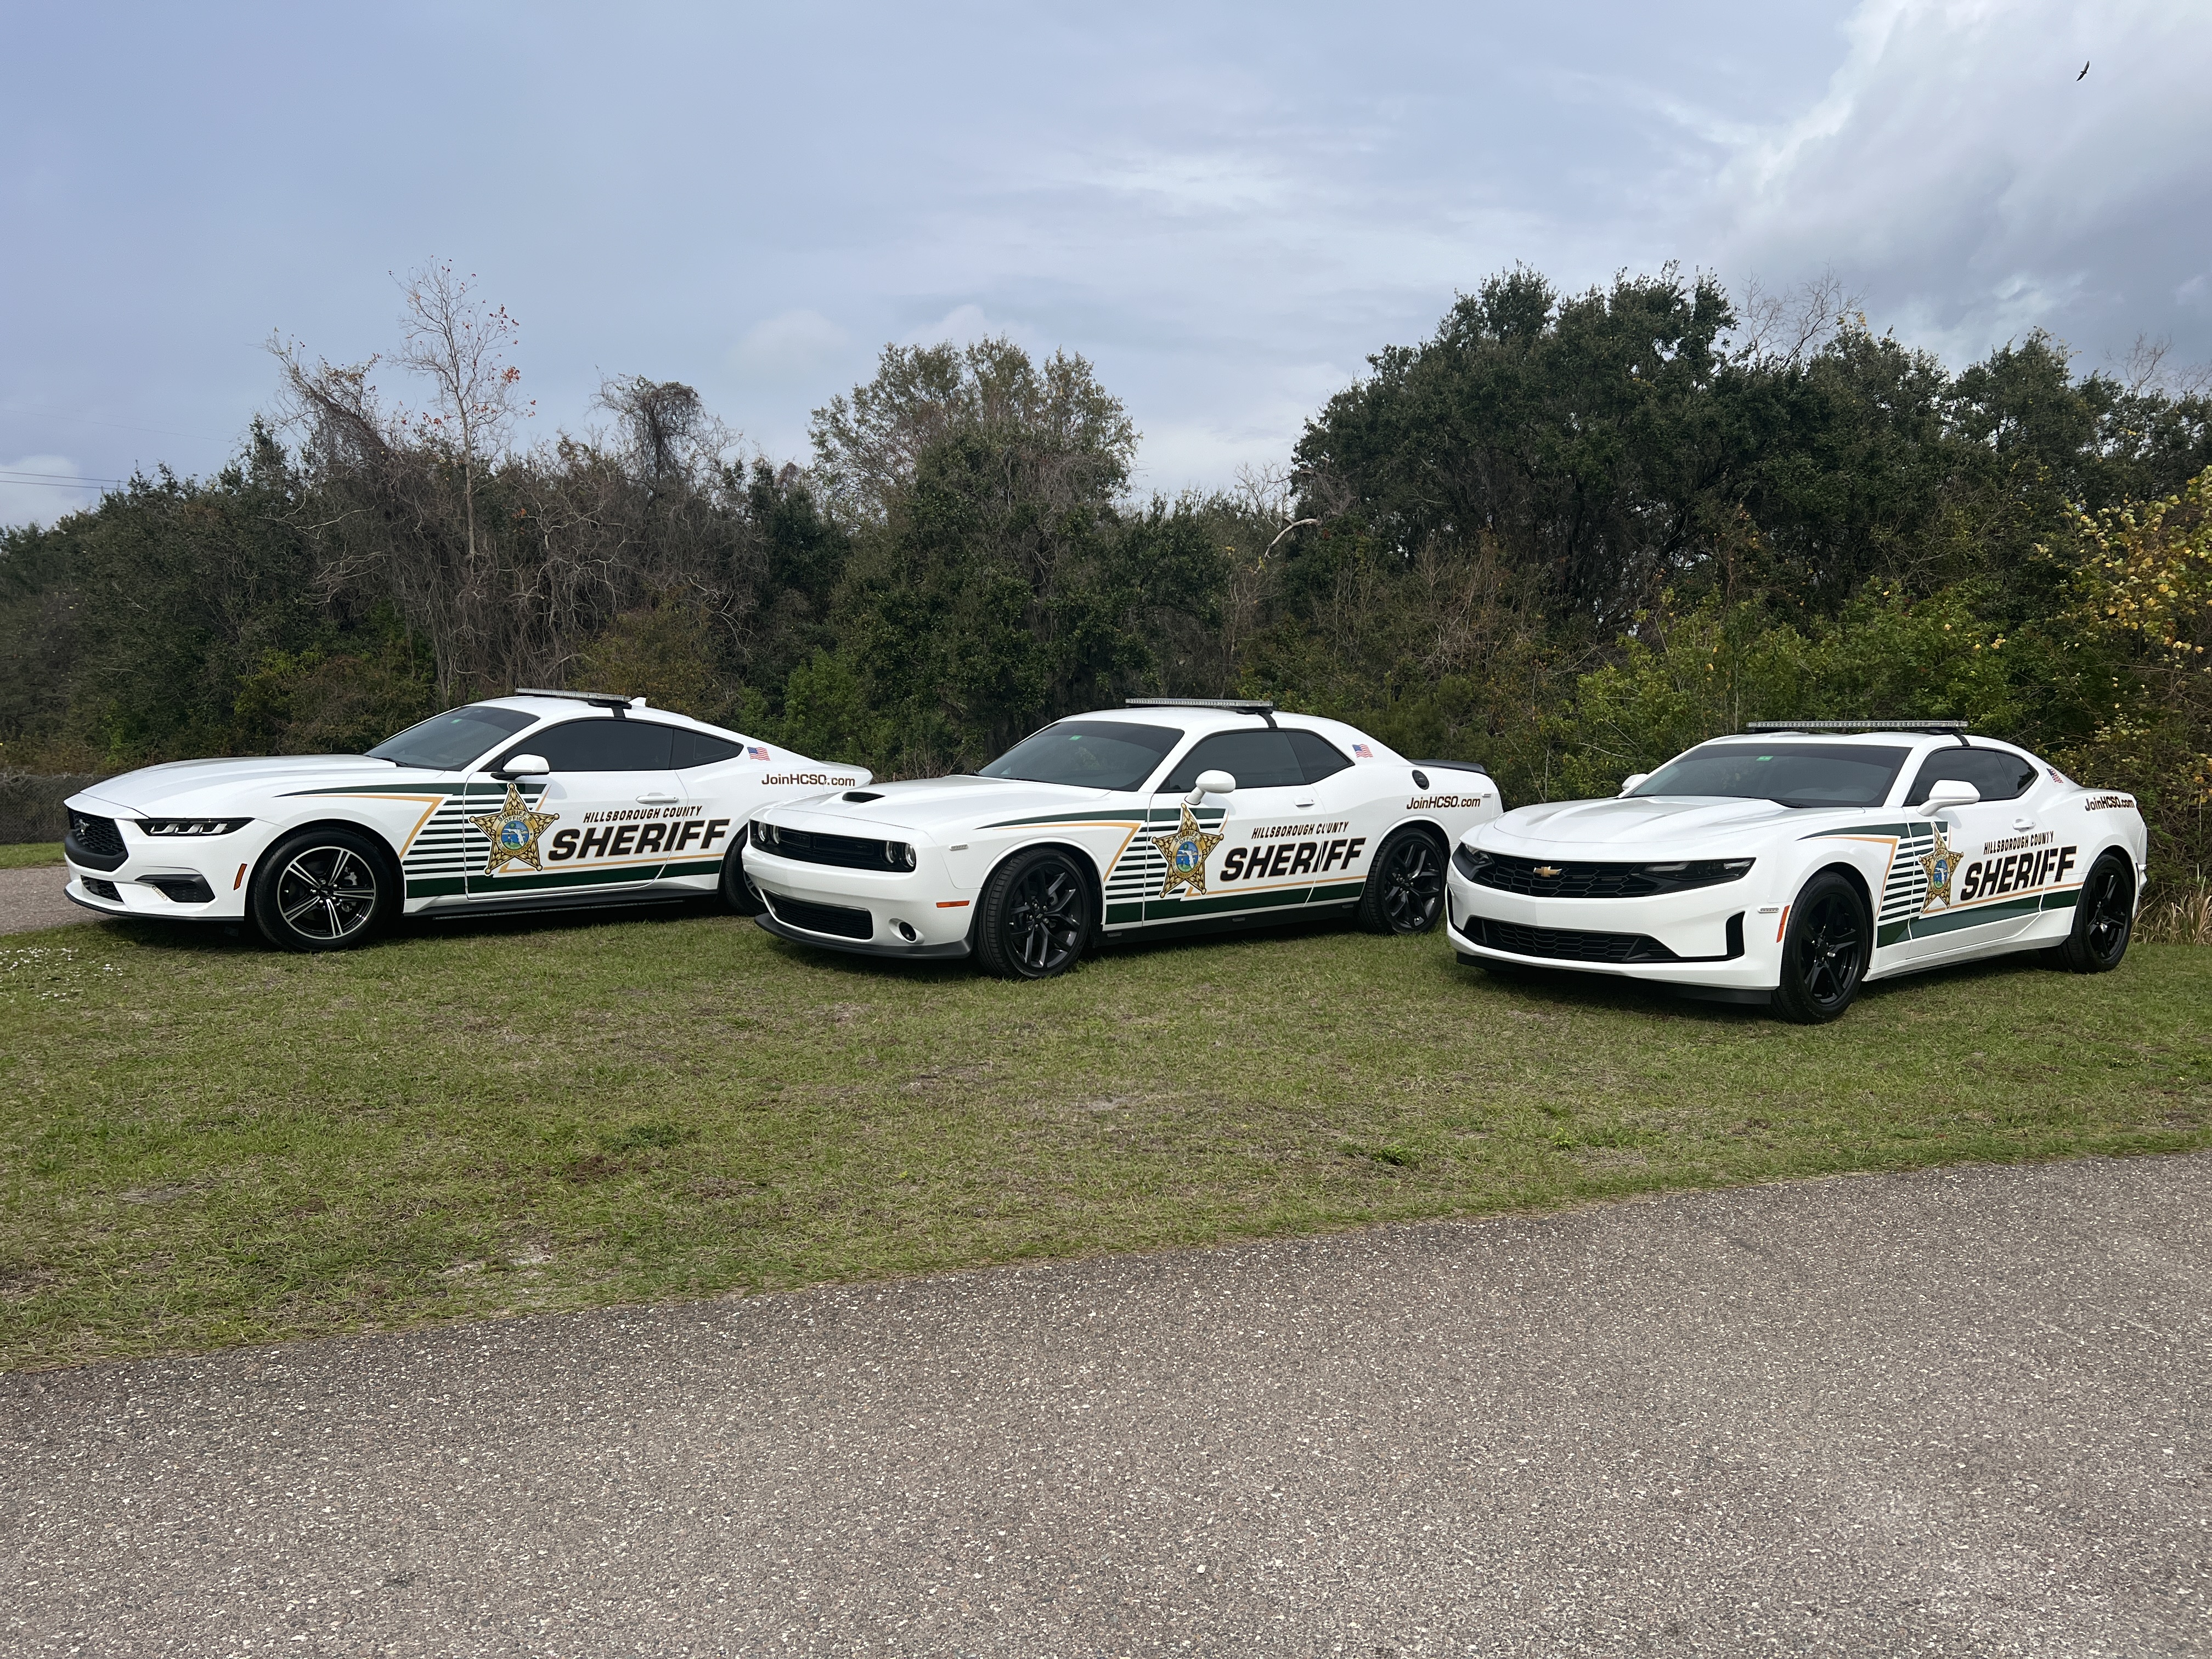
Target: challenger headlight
x,y
191,826
899,854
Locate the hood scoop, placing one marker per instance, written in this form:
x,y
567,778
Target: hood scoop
x,y
857,796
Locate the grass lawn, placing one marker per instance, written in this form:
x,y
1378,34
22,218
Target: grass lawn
x,y
28,854
204,1142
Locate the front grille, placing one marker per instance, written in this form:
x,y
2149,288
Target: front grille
x,y
1566,944
99,888
1508,874
832,919
93,842
818,847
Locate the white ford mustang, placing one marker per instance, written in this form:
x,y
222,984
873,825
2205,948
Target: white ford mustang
x,y
542,799
1794,863
1171,814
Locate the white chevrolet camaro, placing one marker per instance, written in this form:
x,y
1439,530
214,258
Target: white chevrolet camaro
x,y
1791,864
1169,815
541,801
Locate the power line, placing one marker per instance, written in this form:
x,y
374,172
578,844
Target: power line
x,y
63,479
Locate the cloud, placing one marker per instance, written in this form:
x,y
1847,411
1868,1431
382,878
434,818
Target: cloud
x,y
964,326
789,346
39,488
1957,172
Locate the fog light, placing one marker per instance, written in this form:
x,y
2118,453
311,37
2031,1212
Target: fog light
x,y
906,932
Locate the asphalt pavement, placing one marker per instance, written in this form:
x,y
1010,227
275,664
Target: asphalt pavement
x,y
1961,1412
32,899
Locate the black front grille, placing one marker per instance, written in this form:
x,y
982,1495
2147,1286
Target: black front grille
x,y
99,888
1508,874
1566,944
93,842
817,847
832,919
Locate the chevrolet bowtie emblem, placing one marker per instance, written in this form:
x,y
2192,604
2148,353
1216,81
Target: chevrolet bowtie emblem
x,y
1547,870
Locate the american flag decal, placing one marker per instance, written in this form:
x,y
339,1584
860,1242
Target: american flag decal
x,y
754,752
1362,751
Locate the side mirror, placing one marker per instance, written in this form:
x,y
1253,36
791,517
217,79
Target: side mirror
x,y
525,766
1631,781
1212,783
1949,791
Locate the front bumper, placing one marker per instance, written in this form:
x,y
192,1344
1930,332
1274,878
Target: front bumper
x,y
913,914
1723,936
166,878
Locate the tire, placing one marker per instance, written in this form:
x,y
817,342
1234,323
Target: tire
x,y
1824,954
324,890
1035,918
2104,917
738,893
1404,892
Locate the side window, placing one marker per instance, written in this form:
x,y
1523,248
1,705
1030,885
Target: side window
x,y
697,749
1998,775
1257,760
604,746
1316,755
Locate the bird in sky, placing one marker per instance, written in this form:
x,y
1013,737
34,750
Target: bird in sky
x,y
2085,69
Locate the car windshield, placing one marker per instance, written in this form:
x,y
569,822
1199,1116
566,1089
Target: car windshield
x,y
449,742
1791,774
1089,754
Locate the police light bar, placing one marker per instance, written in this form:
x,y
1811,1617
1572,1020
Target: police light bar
x,y
597,699
1235,705
1858,726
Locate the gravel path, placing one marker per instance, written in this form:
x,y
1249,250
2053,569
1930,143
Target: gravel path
x,y
1962,1412
31,899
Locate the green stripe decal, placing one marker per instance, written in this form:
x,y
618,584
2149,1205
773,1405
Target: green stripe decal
x,y
1133,819
636,875
1170,909
1950,922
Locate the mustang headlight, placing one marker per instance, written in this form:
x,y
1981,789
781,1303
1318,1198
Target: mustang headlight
x,y
191,826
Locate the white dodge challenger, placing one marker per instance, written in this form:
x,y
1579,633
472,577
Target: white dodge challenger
x,y
1791,864
540,800
1171,814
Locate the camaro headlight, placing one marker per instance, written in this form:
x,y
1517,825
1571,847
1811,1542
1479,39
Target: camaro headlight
x,y
1468,860
191,826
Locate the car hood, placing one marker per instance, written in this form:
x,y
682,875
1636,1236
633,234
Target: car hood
x,y
942,806
1643,823
216,789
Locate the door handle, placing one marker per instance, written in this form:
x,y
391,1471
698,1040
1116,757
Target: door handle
x,y
2023,823
1302,804
656,801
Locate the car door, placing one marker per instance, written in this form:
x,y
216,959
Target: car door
x,y
612,809
1241,852
721,779
1989,864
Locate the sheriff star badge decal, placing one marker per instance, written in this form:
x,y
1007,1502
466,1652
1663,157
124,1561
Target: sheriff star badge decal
x,y
1185,851
1941,861
513,831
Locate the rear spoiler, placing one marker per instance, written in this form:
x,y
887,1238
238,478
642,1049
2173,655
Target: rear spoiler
x,y
1455,766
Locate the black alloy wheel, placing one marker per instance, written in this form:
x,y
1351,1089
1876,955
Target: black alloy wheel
x,y
738,893
2104,917
322,890
1404,889
1825,951
1035,918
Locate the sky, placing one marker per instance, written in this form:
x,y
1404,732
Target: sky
x,y
1225,209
